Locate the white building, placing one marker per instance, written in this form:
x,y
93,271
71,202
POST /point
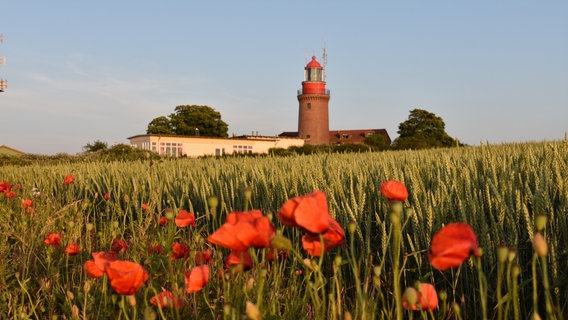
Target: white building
x,y
195,146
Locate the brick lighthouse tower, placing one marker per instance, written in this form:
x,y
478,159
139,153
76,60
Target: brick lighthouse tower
x,y
313,119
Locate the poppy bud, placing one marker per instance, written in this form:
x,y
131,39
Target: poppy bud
x,y
457,309
280,242
212,201
377,271
516,270
502,253
479,252
539,244
512,254
131,300
337,261
352,227
248,193
410,295
252,311
150,314
540,221
169,214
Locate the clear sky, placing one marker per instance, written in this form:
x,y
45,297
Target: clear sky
x,y
78,71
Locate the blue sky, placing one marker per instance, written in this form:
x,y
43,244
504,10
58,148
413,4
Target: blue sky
x,y
495,71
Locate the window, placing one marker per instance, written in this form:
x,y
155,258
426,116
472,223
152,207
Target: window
x,y
242,149
345,136
171,149
309,105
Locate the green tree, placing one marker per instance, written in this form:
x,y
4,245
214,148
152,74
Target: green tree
x,y
160,125
190,120
422,130
95,146
378,141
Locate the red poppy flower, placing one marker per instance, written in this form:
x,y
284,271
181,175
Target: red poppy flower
x,y
119,245
427,299
155,248
166,299
9,194
144,207
394,190
5,186
96,268
163,221
179,251
452,245
242,230
53,239
196,278
68,179
333,237
92,269
72,249
107,196
239,259
126,277
309,212
202,257
26,203
184,219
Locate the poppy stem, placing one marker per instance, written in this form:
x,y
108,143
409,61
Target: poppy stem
x,y
535,284
395,217
482,287
546,285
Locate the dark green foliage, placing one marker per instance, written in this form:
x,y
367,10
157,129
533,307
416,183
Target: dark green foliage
x,y
95,146
324,148
190,120
160,125
377,141
423,130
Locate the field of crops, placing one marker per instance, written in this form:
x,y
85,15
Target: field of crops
x,y
128,209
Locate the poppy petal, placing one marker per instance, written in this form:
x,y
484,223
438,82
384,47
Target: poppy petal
x,y
196,278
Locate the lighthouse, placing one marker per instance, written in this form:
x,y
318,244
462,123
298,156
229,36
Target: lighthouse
x,y
313,98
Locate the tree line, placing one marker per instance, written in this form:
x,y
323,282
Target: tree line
x,y
422,130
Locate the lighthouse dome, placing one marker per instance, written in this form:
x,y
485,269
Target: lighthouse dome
x,y
313,63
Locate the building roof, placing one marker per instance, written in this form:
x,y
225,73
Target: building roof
x,y
313,64
5,150
242,137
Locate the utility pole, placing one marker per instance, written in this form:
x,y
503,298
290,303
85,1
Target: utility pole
x,y
3,83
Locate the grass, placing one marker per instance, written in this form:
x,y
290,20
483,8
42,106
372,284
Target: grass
x,y
498,189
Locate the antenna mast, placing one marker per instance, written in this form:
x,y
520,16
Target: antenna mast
x,y
3,83
324,59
